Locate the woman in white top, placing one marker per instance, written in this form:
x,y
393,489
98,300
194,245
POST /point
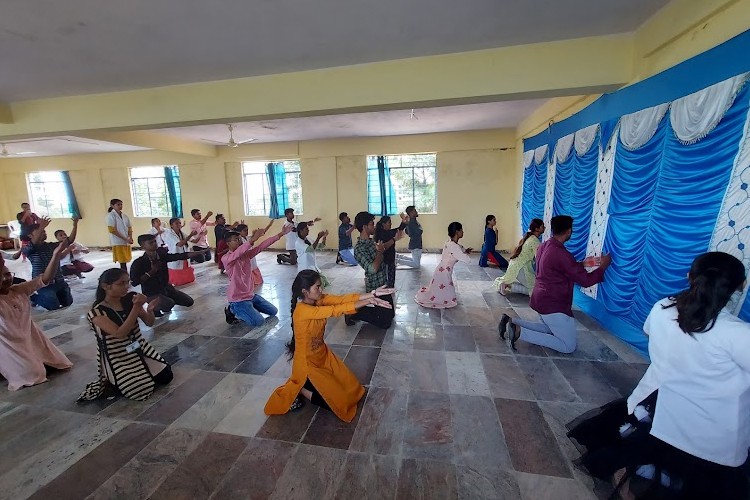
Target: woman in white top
x,y
180,272
120,233
306,250
700,366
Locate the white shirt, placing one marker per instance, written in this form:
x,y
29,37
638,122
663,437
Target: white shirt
x,y
305,256
75,253
171,239
121,223
703,406
159,240
291,236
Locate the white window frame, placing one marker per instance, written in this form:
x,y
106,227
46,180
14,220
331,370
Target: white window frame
x,y
395,163
152,181
258,176
53,193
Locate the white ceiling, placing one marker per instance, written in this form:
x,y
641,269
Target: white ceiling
x,y
53,48
373,124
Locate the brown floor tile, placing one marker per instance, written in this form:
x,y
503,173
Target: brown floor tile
x,y
380,426
392,373
429,337
429,371
328,430
426,480
505,378
537,487
261,359
370,336
488,340
486,483
622,376
19,419
289,427
546,380
312,472
428,432
586,381
361,361
100,464
368,477
459,338
231,358
174,404
254,474
202,471
530,441
478,440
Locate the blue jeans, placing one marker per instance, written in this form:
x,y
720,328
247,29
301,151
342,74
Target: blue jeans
x,y
348,255
55,295
250,311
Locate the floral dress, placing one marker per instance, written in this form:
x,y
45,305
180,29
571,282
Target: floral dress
x,y
441,293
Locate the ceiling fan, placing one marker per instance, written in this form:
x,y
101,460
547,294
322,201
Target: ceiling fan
x,y
231,142
4,153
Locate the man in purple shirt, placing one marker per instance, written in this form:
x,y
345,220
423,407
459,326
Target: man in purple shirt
x,y
556,273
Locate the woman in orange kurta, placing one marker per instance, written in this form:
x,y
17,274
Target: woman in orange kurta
x,y
317,373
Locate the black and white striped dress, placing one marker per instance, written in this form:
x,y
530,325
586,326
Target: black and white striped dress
x,y
128,372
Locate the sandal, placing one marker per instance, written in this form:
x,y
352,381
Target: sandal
x,y
298,403
502,326
515,334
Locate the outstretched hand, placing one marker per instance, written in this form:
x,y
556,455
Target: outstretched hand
x,y
284,230
61,248
44,221
257,233
382,290
139,299
376,301
323,234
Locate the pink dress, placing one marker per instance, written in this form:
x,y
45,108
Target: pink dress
x,y
441,293
24,349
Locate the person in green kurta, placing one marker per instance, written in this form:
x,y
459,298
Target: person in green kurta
x,y
519,277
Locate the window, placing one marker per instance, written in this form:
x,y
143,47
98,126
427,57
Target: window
x,y
412,178
258,190
156,191
50,194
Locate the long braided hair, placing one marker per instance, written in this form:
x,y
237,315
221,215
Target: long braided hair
x,y
304,281
533,227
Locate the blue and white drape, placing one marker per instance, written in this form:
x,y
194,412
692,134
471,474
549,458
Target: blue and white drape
x,y
381,196
654,188
174,192
279,193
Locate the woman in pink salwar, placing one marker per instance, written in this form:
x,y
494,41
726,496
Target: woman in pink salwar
x,y
25,352
441,292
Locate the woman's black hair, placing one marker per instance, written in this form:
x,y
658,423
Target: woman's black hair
x,y
107,277
713,278
300,227
488,219
112,202
379,229
453,228
304,281
533,226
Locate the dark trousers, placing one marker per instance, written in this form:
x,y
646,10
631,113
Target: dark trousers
x,y
377,316
486,252
316,399
170,297
54,296
204,257
390,274
76,267
287,258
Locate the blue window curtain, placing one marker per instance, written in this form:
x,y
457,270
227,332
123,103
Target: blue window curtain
x,y
172,178
381,197
72,203
277,188
527,208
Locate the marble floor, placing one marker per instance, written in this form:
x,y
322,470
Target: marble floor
x,y
450,412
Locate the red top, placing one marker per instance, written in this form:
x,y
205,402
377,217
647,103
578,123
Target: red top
x,y
556,272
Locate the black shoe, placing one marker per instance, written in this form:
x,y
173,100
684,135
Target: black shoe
x,y
230,317
297,404
515,333
503,324
158,314
349,320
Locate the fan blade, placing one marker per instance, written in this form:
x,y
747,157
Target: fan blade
x,y
245,142
23,153
215,142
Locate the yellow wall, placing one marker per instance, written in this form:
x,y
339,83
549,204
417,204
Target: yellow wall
x,y
474,178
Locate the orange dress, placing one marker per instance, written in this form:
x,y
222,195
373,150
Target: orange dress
x,y
313,360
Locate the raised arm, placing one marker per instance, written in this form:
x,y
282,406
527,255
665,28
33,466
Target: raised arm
x,y
49,273
37,234
74,231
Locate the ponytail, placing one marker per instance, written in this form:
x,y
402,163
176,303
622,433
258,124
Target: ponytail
x,y
304,281
533,227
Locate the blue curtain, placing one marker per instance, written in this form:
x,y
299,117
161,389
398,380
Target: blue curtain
x,y
172,177
534,191
381,196
72,203
527,212
276,174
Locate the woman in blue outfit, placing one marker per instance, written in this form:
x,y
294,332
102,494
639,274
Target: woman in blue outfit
x,y
490,241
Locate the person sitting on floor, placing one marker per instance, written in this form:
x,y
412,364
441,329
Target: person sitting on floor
x,y
56,293
72,263
489,253
556,273
180,272
244,303
150,271
317,373
685,426
25,352
291,238
346,248
520,276
127,364
158,231
244,233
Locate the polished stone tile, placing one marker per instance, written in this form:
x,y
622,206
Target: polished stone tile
x,y
624,377
488,340
312,472
427,480
370,336
485,483
326,429
530,441
174,404
539,487
361,361
231,358
288,427
339,350
429,371
256,471
212,408
459,338
202,471
15,420
140,477
558,415
381,423
478,440
86,475
367,476
206,352
247,416
586,382
546,380
391,373
505,378
454,316
261,359
466,374
428,431
429,337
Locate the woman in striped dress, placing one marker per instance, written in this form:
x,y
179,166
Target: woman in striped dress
x,y
126,362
